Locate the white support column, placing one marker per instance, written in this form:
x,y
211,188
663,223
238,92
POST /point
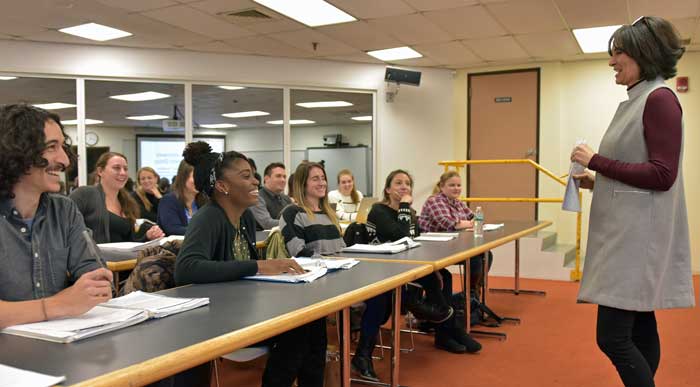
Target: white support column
x,y
80,134
287,133
189,119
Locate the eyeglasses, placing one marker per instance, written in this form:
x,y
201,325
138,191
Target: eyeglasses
x,y
645,20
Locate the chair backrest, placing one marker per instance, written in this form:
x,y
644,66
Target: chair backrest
x,y
363,209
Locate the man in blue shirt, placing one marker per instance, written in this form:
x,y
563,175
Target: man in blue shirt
x,y
46,271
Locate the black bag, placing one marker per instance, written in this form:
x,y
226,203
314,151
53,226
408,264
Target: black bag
x,y
356,233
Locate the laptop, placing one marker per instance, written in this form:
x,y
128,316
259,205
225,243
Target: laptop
x,y
363,209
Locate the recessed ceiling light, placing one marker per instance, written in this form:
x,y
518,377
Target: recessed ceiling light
x,y
313,13
147,118
54,105
396,53
362,118
88,121
253,113
94,31
7,78
323,104
217,126
594,39
145,96
291,122
231,87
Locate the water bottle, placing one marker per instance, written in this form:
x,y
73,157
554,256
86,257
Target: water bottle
x,y
478,223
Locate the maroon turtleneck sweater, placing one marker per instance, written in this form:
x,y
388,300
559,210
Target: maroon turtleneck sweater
x,y
663,134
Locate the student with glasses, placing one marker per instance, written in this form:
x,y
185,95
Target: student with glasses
x,y
638,255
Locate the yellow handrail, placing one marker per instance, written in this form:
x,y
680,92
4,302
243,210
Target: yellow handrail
x,y
459,164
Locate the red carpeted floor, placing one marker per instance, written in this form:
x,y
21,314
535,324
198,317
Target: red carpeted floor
x,y
554,345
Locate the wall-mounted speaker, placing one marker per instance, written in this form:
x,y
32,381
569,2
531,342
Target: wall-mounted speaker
x,y
400,76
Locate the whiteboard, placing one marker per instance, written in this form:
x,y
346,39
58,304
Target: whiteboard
x,y
165,153
357,159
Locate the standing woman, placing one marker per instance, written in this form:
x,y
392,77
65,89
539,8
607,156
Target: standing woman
x,y
309,228
638,255
109,211
346,197
443,211
147,193
176,209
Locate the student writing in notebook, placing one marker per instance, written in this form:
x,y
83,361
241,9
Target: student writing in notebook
x,y
46,271
220,241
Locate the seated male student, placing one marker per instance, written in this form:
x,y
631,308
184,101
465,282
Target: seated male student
x,y
45,269
271,197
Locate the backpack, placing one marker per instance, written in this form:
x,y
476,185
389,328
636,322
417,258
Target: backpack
x,y
154,270
356,233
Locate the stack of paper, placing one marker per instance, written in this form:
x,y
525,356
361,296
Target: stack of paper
x,y
127,247
15,377
115,314
437,236
492,226
314,268
398,246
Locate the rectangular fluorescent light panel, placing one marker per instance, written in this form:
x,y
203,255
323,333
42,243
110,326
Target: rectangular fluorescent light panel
x,y
324,104
145,96
313,13
148,118
254,113
594,39
396,53
94,31
291,122
362,118
54,105
7,78
217,126
231,87
88,121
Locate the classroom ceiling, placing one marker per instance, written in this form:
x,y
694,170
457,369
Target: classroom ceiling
x,y
449,33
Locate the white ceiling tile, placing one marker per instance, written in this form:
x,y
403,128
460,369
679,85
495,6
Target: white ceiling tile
x,y
549,44
411,29
47,15
593,13
156,31
263,45
466,22
686,27
421,62
361,35
496,49
215,7
138,5
372,9
276,23
59,37
198,22
18,28
217,46
448,53
431,5
676,9
276,26
527,16
304,39
360,58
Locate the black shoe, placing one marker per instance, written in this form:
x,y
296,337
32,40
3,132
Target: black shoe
x,y
426,326
362,361
431,312
445,342
461,335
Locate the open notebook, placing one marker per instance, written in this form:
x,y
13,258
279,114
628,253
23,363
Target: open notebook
x,y
16,377
437,236
398,246
115,314
314,269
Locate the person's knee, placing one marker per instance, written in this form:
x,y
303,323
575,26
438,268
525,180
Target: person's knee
x,y
612,345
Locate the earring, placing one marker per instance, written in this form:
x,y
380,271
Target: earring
x,y
226,193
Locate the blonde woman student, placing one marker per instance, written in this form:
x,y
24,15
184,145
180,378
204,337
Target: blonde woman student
x,y
147,193
346,198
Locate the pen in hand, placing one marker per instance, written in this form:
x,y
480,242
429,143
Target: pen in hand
x,y
94,250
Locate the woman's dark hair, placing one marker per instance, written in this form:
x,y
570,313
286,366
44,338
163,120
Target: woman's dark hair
x,y
290,185
653,43
22,142
208,164
129,206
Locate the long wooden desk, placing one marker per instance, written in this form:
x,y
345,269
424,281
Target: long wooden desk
x,y
241,313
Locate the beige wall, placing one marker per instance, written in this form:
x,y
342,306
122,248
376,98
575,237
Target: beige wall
x,y
578,100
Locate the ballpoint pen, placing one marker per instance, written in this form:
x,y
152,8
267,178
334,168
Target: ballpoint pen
x,y
94,250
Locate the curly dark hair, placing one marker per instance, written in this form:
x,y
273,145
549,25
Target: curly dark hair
x,y
22,142
653,43
199,154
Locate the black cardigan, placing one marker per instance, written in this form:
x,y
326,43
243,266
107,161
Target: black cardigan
x,y
207,252
385,224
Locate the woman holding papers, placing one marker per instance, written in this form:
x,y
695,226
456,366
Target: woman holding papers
x,y
346,197
220,243
109,210
392,219
638,255
443,211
